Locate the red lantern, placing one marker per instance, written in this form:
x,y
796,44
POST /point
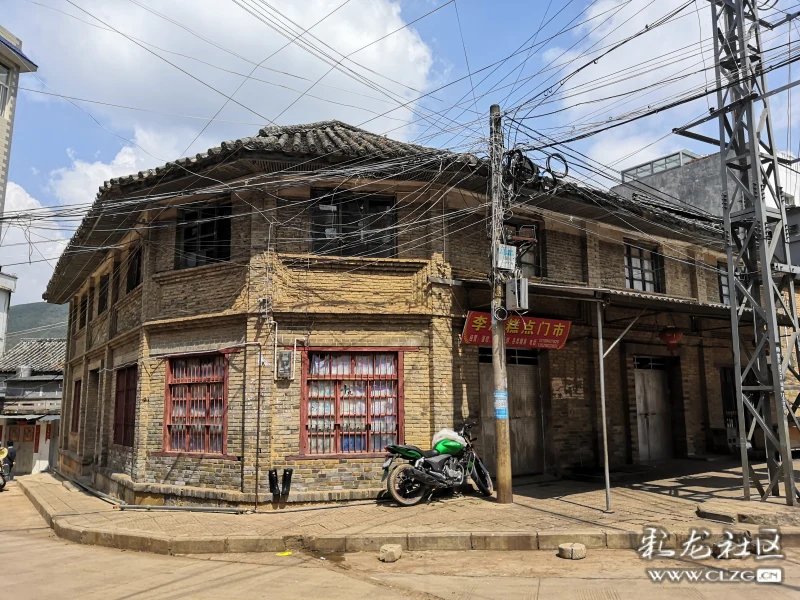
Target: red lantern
x,y
671,336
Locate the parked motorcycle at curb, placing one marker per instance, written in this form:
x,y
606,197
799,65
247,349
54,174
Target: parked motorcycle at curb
x,y
447,465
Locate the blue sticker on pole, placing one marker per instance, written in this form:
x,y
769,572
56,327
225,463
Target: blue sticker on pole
x,y
501,405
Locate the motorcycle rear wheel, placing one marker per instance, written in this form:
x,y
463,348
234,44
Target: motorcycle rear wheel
x,y
403,488
480,475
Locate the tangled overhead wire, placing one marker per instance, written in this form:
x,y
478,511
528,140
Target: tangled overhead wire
x,y
519,172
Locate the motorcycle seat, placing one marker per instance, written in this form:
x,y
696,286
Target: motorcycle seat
x,y
426,453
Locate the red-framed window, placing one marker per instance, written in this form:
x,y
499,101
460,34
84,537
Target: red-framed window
x,y
76,407
196,407
125,406
352,401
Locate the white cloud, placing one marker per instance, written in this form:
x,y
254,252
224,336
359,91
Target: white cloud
x,y
673,47
79,182
23,258
92,62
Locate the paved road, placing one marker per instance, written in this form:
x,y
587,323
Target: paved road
x,y
45,567
39,565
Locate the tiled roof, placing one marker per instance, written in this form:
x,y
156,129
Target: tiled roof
x,y
324,138
39,354
323,148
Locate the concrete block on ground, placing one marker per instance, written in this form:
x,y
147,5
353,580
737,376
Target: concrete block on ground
x,y
391,552
509,540
439,541
550,540
790,537
326,543
623,540
197,545
253,543
572,551
373,543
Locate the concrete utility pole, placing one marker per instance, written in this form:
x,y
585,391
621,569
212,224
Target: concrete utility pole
x,y
502,430
761,275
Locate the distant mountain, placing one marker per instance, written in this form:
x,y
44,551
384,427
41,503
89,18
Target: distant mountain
x,y
36,320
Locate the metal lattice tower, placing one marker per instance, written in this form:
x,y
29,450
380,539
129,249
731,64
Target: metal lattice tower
x,y
764,318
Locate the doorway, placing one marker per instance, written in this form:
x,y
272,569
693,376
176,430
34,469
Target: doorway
x,y
524,411
653,418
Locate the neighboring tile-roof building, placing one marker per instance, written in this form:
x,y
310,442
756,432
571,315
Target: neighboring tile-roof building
x,y
42,355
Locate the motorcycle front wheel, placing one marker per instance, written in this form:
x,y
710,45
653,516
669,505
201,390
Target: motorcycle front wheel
x,y
403,488
480,475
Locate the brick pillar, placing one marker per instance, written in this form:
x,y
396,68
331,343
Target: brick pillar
x,y
593,258
441,373
148,433
699,281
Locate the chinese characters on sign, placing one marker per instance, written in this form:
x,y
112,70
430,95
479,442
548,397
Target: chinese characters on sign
x,y
521,332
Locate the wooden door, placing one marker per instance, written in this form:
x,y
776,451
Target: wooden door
x,y
653,417
525,419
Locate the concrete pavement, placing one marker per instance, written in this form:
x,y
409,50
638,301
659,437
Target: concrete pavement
x,y
544,514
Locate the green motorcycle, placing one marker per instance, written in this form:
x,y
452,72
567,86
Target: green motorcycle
x,y
447,465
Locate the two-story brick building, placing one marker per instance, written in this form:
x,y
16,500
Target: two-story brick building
x,y
297,299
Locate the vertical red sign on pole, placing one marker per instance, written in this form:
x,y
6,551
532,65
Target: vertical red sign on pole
x,y
36,436
47,432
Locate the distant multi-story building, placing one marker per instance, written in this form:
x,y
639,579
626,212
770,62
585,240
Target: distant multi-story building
x,y
12,63
687,180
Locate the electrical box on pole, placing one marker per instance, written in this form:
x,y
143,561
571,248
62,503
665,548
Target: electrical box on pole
x,y
764,320
517,294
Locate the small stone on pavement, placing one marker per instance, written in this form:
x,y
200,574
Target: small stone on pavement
x,y
391,552
572,551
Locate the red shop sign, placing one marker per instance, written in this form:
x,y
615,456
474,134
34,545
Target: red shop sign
x,y
521,332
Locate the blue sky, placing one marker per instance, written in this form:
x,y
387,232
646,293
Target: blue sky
x,y
61,155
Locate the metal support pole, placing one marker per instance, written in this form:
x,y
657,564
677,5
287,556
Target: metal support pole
x,y
502,429
601,359
758,253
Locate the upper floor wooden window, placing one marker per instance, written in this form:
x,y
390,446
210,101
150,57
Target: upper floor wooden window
x,y
125,406
75,417
724,288
134,277
644,269
102,295
196,415
5,86
527,237
203,236
83,309
350,224
352,402
90,305
73,314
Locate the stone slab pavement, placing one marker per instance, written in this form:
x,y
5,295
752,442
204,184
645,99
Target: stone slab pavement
x,y
543,515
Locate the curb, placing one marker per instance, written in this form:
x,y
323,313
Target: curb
x,y
447,541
